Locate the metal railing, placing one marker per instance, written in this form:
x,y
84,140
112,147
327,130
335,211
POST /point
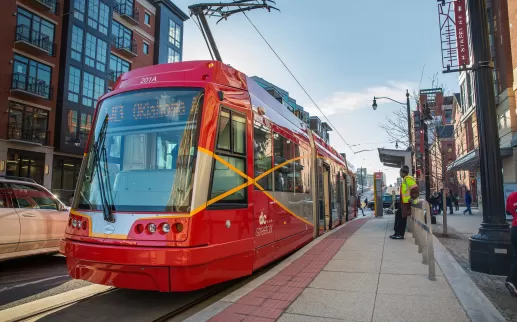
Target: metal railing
x,y
27,134
35,38
127,10
52,5
31,85
421,228
114,75
125,44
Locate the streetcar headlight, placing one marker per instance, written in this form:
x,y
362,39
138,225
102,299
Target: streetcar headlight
x,y
179,227
74,222
85,225
79,224
166,227
151,228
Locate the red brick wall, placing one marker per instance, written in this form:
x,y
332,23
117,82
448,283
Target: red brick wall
x,y
503,51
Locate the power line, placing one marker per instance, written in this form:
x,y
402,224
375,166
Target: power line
x,y
303,88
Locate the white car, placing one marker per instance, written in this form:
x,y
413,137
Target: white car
x,y
32,219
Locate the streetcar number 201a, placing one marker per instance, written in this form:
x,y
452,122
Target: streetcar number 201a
x,y
147,80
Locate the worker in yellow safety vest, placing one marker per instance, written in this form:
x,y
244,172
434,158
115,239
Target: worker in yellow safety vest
x,y
409,193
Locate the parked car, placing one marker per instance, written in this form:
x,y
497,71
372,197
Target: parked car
x,y
32,220
387,199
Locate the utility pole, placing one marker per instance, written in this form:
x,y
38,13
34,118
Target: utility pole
x,y
490,249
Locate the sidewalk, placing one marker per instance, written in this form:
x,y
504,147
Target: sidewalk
x,y
356,273
460,227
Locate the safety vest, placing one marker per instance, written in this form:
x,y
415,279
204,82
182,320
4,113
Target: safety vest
x,y
405,188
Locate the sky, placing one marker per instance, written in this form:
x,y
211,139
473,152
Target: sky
x,y
343,52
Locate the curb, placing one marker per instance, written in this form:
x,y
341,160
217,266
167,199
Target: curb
x,y
50,303
476,305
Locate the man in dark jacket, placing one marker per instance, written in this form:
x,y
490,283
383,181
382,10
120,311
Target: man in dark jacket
x,y
468,201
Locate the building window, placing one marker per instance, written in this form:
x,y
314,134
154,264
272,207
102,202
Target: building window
x,y
79,9
31,76
147,18
93,88
174,33
27,123
86,126
64,177
98,16
74,84
173,56
146,48
118,66
231,148
35,30
77,43
122,35
71,134
100,89
96,52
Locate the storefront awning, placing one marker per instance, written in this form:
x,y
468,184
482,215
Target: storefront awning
x,y
470,160
394,158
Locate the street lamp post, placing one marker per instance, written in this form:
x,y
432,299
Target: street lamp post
x,y
490,248
408,111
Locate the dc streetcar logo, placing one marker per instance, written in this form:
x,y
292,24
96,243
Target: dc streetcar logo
x,y
264,230
262,219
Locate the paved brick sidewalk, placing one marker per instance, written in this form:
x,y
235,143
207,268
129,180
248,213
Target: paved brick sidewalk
x,y
492,286
268,301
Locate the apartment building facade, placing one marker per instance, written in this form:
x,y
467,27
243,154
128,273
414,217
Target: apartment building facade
x,y
82,47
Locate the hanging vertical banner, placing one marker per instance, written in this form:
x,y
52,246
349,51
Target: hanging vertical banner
x,y
461,33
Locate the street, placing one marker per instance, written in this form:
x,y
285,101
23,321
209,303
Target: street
x,y
30,278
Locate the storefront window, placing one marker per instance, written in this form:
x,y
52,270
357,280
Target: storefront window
x,y
25,164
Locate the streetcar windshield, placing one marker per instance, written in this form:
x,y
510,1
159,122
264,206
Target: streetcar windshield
x,y
142,152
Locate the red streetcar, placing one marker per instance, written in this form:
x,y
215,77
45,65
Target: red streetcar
x,y
194,175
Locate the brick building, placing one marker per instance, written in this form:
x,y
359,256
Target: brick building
x,y
467,162
64,56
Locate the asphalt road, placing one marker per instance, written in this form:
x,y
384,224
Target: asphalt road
x,y
27,279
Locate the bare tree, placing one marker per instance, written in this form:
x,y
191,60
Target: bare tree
x,y
396,129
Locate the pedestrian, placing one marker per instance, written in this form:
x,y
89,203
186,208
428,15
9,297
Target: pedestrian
x,y
511,209
366,202
359,205
409,193
71,200
456,201
450,200
468,201
440,202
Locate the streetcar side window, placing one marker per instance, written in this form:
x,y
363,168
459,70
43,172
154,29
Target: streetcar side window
x,y
284,154
231,148
262,154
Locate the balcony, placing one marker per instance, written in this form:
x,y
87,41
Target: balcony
x,y
33,41
35,136
124,46
31,86
127,12
46,5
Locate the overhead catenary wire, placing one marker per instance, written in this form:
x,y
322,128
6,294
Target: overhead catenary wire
x,y
298,82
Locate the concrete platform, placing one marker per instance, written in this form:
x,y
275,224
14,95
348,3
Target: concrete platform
x,y
357,273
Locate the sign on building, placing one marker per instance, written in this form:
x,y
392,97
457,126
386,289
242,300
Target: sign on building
x,y
454,36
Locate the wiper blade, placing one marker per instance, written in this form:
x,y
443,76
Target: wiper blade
x,y
98,149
